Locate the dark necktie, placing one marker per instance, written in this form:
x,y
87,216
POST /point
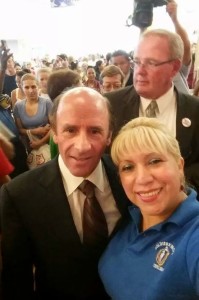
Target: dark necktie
x,y
151,109
95,230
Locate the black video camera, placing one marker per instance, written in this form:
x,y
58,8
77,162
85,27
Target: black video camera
x,y
143,12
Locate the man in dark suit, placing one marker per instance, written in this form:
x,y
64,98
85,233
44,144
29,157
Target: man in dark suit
x,y
42,210
121,59
157,60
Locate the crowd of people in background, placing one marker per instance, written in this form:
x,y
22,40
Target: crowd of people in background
x,y
68,105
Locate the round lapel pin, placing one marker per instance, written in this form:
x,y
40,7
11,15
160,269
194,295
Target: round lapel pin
x,y
186,122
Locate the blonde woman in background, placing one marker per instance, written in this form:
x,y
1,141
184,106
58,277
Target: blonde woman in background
x,y
42,77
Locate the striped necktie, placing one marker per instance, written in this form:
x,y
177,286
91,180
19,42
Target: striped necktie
x,y
95,230
151,110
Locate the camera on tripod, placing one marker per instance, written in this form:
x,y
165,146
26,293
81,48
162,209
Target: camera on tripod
x,y
143,12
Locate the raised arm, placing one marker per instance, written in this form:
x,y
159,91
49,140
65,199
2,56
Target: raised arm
x,y
171,9
4,56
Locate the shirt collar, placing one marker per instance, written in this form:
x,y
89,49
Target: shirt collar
x,y
163,102
186,211
72,182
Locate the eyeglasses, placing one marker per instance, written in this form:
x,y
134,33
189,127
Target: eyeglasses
x,y
111,86
150,64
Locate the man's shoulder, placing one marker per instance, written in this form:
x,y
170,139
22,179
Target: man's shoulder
x,y
39,175
107,161
187,99
123,92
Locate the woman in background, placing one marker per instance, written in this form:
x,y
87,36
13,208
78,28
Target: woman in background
x,y
42,77
32,114
155,256
91,81
18,93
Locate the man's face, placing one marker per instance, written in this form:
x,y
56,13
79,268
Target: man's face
x,y
111,83
82,131
153,81
122,62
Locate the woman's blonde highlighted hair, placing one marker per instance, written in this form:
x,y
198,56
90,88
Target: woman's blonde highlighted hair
x,y
144,134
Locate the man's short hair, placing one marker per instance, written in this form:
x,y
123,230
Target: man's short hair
x,y
112,70
120,53
175,42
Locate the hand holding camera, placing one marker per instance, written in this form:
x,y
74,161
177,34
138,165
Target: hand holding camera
x,y
143,12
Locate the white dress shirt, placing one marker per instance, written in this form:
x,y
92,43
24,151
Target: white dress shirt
x,y
167,109
76,198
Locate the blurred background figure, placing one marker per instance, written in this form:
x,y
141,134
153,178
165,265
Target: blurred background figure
x,y
121,59
19,159
9,83
196,89
42,77
180,80
32,114
18,94
91,81
99,66
61,61
59,81
112,78
6,153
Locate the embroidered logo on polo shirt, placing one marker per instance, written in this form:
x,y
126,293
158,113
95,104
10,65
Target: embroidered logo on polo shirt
x,y
164,250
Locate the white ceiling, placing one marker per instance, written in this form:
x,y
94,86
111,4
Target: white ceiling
x,y
89,26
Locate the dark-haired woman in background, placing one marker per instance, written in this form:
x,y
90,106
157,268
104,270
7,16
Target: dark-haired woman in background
x,y
91,81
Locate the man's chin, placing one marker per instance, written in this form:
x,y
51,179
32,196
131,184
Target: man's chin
x,y
81,173
81,170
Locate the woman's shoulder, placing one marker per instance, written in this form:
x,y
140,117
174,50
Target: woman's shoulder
x,y
20,103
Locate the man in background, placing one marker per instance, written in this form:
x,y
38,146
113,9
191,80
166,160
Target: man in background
x,y
112,79
157,60
121,59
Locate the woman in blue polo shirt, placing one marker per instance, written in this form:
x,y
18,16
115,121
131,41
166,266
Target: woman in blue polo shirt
x,y
156,255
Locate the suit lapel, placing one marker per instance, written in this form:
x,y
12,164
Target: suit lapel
x,y
118,193
183,132
115,184
56,203
130,107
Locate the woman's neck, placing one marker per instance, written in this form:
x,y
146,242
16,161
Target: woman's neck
x,y
32,101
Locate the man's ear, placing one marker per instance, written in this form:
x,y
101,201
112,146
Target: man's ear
x,y
54,136
109,138
177,64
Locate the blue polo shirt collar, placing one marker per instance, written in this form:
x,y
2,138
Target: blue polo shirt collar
x,y
181,216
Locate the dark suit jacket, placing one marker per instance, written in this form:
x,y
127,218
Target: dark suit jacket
x,y
125,104
130,79
37,226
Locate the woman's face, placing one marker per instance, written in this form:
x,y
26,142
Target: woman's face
x,y
30,89
43,79
91,73
152,181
